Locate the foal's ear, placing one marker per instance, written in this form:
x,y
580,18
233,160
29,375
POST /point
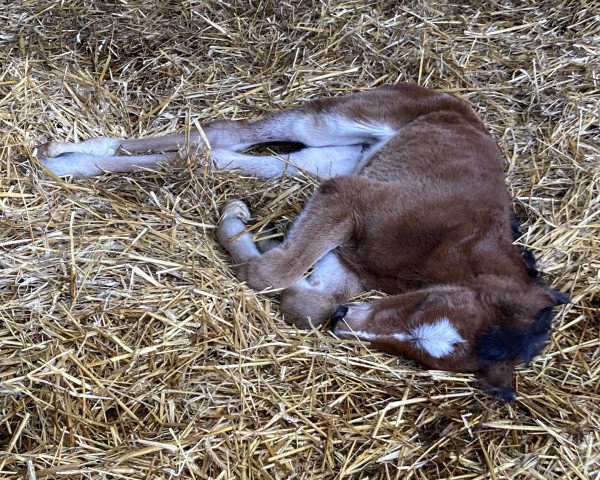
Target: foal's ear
x,y
521,331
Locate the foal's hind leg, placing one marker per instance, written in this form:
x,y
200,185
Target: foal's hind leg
x,y
333,140
362,123
310,300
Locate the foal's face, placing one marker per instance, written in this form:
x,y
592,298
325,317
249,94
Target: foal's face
x,y
437,327
452,328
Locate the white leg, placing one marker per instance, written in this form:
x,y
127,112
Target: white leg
x,y
324,162
302,125
232,234
104,146
87,165
320,123
101,146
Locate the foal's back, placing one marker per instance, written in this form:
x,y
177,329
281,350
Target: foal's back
x,y
438,208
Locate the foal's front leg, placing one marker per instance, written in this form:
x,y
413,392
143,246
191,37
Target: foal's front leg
x,y
324,224
232,233
310,300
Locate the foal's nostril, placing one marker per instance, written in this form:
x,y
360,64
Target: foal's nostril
x,y
340,313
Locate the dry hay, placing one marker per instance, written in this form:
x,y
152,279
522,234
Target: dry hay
x,y
129,350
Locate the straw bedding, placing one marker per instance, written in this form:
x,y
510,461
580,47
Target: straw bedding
x,y
127,347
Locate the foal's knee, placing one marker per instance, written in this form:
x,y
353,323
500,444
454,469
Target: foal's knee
x,y
306,308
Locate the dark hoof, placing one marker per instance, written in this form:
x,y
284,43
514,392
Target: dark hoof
x,y
340,313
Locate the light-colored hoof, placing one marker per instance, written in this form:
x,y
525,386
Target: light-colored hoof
x,y
77,165
236,209
50,149
100,146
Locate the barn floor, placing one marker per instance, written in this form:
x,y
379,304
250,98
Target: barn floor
x,y
127,347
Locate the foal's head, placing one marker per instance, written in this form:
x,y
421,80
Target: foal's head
x,y
456,328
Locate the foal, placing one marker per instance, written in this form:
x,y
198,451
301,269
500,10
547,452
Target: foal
x,y
413,203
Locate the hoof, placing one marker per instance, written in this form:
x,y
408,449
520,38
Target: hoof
x,y
236,209
50,149
101,146
77,165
